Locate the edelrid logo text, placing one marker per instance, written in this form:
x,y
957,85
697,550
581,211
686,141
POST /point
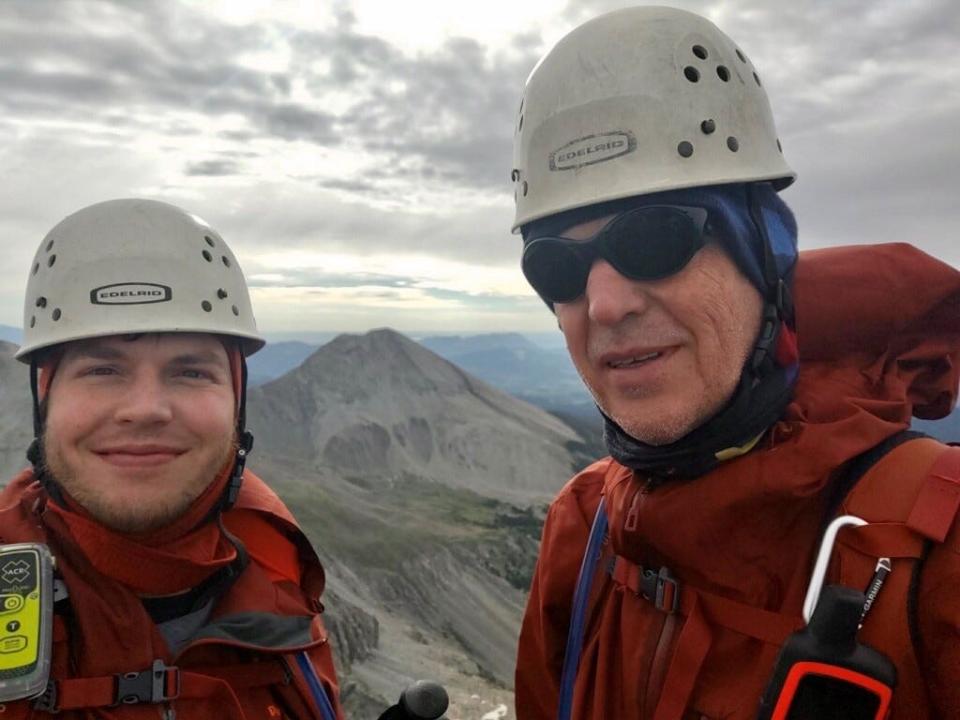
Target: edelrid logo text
x,y
130,294
593,149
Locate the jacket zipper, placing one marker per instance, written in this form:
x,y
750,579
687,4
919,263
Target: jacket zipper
x,y
632,520
657,670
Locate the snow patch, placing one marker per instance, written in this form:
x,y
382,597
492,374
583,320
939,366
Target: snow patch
x,y
497,714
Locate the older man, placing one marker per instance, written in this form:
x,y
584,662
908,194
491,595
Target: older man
x,y
184,587
748,399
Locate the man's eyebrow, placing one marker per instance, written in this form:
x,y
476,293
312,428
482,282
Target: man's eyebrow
x,y
96,352
203,357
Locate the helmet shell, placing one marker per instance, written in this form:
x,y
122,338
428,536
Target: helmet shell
x,y
134,266
637,101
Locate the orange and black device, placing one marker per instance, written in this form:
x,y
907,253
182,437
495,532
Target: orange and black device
x,y
824,673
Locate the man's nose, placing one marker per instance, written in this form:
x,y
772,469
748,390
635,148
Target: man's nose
x,y
611,296
145,401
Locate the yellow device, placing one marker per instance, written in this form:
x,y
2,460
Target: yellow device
x,y
26,619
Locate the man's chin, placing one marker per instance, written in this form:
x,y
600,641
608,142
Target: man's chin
x,y
135,514
667,428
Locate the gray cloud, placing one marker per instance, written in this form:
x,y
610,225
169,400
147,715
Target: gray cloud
x,y
212,168
865,95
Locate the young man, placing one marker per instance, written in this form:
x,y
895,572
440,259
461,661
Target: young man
x,y
748,399
184,587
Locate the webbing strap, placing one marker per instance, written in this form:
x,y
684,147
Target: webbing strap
x,y
161,685
766,625
937,504
890,539
693,644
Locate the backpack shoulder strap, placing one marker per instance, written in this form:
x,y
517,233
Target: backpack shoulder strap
x,y
847,477
909,484
911,498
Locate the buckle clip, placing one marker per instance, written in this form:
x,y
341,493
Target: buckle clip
x,y
146,686
47,700
661,588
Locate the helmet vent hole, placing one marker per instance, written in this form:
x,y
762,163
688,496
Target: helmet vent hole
x,y
226,260
207,256
700,51
520,124
743,58
207,307
33,320
685,149
708,126
51,260
41,302
222,294
691,73
56,314
50,246
779,146
733,144
236,310
757,78
209,240
723,73
524,188
36,268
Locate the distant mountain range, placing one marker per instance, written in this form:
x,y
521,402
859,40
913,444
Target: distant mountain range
x,y
11,334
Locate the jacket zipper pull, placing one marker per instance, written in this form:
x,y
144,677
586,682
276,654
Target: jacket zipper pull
x,y
633,514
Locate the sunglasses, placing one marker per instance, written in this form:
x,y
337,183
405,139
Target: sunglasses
x,y
647,243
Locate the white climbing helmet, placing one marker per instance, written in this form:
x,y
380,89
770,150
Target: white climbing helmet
x,y
134,266
637,101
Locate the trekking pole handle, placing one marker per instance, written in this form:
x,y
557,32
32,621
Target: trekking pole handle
x,y
823,561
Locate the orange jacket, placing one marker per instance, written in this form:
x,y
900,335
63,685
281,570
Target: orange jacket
x,y
879,333
241,665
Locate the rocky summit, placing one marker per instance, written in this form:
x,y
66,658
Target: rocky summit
x,y
381,404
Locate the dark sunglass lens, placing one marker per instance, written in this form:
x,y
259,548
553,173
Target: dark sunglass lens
x,y
554,270
653,243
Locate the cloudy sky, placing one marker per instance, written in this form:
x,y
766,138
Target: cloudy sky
x,y
356,153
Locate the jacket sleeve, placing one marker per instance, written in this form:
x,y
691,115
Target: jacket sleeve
x,y
543,634
939,624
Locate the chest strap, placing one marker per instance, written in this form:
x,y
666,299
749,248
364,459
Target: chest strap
x,y
668,595
161,683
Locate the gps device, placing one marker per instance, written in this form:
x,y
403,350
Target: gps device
x,y
26,619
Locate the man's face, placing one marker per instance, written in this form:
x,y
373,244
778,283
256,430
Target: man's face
x,y
663,356
136,429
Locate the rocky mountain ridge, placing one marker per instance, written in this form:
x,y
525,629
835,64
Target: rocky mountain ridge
x,y
382,404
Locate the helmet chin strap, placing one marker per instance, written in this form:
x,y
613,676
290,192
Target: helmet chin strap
x,y
244,445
